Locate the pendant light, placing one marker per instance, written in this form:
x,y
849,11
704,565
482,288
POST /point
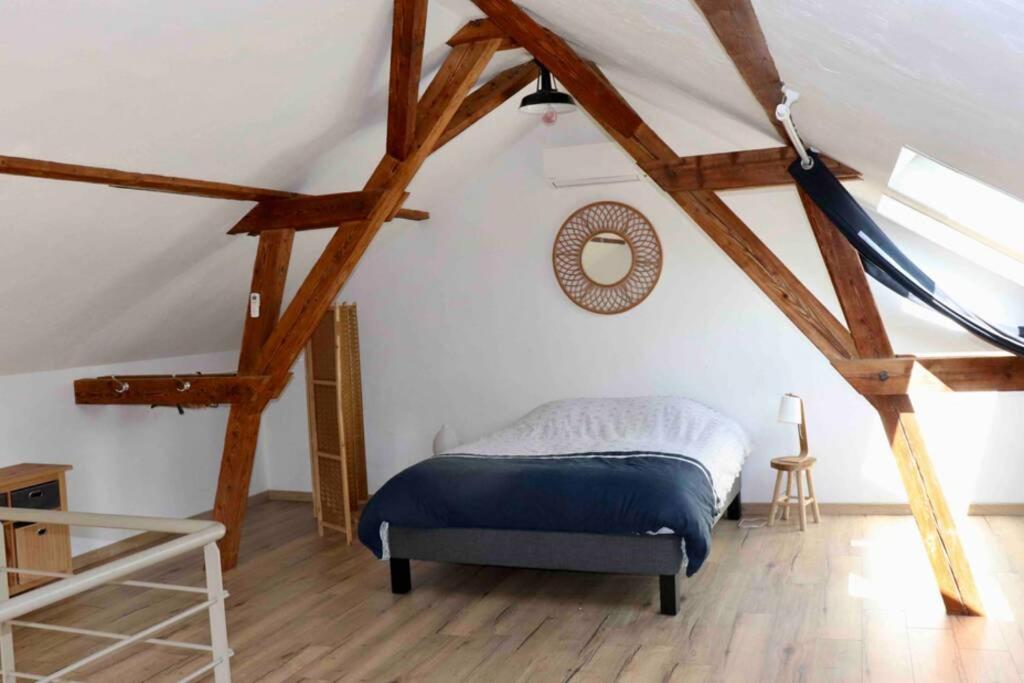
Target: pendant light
x,y
548,101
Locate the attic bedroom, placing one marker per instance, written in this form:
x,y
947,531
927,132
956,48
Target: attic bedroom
x,y
670,340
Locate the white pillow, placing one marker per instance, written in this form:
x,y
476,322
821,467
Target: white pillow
x,y
445,440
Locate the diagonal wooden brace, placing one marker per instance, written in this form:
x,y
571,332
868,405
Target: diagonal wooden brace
x,y
285,342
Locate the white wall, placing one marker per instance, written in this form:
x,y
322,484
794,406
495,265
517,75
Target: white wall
x,y
284,437
462,322
127,460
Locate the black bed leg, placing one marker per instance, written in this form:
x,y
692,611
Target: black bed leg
x,y
734,511
669,584
401,577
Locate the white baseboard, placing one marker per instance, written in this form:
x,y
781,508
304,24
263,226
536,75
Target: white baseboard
x,y
975,509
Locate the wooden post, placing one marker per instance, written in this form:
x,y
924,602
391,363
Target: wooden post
x,y
924,492
235,474
268,280
269,274
928,505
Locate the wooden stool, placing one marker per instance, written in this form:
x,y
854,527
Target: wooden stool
x,y
787,466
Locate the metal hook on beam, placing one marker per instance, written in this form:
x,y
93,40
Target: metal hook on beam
x,y
122,387
784,114
183,384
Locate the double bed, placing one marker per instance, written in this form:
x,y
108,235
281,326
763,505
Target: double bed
x,y
630,485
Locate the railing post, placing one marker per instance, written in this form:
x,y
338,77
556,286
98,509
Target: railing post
x,y
218,619
6,632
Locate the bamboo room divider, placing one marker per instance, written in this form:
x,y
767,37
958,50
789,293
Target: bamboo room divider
x,y
334,396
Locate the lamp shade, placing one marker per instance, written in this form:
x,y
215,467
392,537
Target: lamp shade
x,y
791,409
547,98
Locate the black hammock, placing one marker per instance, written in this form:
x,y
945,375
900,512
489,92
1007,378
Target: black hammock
x,y
884,261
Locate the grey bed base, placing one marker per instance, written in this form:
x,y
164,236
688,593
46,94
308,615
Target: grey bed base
x,y
608,554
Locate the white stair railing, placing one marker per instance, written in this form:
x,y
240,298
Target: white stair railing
x,y
191,535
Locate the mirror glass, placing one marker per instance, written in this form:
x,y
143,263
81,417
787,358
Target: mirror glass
x,y
607,258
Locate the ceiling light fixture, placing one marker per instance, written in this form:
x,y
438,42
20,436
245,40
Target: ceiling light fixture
x,y
548,101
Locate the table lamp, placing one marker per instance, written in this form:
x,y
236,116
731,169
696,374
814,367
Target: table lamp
x,y
791,410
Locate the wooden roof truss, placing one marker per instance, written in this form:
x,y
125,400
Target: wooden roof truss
x,y
859,350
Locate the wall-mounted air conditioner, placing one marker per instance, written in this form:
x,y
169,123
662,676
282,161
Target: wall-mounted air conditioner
x,y
598,164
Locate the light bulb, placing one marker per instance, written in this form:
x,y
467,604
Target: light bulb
x,y
549,117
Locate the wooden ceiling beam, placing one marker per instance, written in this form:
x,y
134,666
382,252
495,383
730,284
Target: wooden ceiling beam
x,y
733,170
482,29
318,212
169,390
307,213
489,97
850,283
414,215
738,30
408,28
576,75
128,180
977,373
907,374
53,170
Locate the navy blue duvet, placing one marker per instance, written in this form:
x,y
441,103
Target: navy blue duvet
x,y
604,493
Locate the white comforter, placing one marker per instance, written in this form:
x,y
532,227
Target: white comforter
x,y
582,427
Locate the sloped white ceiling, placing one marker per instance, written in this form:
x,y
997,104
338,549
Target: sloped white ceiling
x,y
265,93
943,76
231,90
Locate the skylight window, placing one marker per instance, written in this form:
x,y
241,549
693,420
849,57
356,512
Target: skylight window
x,y
993,260
965,204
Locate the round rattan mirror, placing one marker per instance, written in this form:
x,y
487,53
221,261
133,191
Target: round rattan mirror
x,y
607,257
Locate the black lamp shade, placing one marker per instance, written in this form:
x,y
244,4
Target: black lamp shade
x,y
547,97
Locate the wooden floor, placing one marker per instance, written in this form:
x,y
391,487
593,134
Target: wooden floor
x,y
849,600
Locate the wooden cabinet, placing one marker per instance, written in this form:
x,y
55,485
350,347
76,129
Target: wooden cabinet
x,y
42,547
